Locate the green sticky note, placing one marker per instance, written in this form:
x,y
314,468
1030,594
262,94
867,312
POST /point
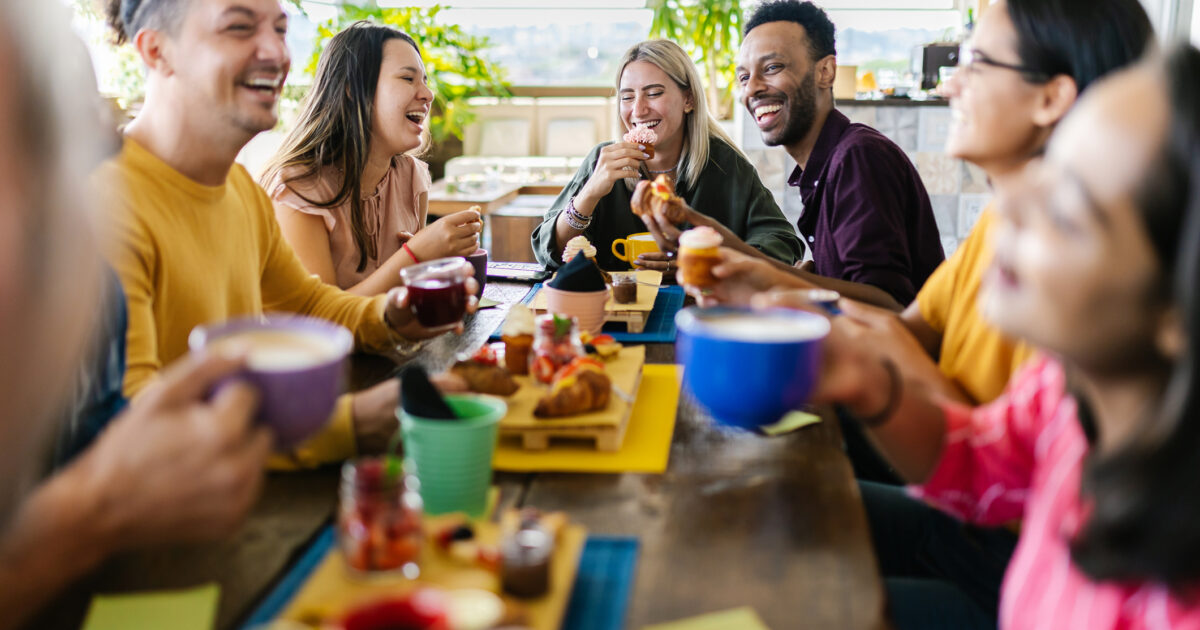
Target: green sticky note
x,y
188,609
488,303
743,618
792,421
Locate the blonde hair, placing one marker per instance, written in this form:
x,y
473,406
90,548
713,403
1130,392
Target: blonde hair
x,y
699,128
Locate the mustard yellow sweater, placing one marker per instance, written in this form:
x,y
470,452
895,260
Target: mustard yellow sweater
x,y
190,254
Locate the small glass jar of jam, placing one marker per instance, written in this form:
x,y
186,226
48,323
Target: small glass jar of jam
x,y
379,518
555,344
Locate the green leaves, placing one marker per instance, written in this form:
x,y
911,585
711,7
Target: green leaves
x,y
711,32
455,61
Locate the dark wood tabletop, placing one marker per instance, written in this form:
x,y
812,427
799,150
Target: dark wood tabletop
x,y
738,519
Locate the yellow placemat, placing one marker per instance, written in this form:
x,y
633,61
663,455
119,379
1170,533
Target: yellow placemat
x,y
331,592
647,440
743,618
623,370
646,294
187,609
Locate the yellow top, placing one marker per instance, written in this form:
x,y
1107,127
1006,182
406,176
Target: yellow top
x,y
190,254
974,354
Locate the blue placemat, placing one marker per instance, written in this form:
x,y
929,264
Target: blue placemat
x,y
660,328
602,586
598,598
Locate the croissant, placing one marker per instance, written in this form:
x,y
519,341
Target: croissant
x,y
658,197
485,379
587,390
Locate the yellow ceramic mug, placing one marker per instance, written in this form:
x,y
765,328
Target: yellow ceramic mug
x,y
634,246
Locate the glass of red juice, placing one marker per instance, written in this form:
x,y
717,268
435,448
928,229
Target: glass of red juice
x,y
436,293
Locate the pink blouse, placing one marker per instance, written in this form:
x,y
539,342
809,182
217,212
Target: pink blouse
x,y
1021,457
391,209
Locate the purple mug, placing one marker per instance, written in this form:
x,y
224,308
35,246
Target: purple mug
x,y
479,261
296,363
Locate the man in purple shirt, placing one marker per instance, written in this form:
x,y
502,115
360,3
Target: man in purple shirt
x,y
866,215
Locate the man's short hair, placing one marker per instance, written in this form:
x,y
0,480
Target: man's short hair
x,y
816,24
127,17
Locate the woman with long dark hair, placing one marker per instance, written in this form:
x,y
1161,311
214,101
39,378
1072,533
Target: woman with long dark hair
x,y
350,196
1095,446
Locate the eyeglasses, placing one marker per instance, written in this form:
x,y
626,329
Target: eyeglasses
x,y
969,59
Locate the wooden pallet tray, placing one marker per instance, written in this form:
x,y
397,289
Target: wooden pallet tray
x,y
634,315
605,428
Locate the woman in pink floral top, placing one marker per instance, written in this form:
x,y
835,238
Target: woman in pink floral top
x,y
349,196
1095,447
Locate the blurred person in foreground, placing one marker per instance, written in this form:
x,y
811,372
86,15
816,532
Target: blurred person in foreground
x,y
175,468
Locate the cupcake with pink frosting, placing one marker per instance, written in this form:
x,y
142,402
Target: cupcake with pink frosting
x,y
642,135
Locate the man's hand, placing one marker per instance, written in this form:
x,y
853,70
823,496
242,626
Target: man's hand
x,y
399,316
739,278
178,467
375,421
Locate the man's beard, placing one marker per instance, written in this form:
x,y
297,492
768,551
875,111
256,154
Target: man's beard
x,y
801,113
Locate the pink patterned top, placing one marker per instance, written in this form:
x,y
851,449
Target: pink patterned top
x,y
1021,457
394,207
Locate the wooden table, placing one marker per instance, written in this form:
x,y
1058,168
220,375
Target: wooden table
x,y
737,519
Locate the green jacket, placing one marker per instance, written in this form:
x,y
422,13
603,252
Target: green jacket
x,y
728,190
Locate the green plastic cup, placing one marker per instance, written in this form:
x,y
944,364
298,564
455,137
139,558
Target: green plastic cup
x,y
453,458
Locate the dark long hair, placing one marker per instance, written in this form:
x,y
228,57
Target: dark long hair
x,y
1145,520
334,128
1083,39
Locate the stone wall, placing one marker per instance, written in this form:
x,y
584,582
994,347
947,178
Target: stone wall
x,y
957,191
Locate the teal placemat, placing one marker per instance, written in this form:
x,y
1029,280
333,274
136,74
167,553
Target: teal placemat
x,y
660,327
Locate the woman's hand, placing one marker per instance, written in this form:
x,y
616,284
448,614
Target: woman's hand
x,y
852,370
452,235
616,162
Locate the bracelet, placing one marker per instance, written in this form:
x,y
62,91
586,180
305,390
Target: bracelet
x,y
408,249
895,389
575,219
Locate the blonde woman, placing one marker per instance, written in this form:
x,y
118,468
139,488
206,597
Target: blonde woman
x,y
350,197
658,88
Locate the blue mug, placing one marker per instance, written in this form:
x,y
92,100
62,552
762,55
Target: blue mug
x,y
749,368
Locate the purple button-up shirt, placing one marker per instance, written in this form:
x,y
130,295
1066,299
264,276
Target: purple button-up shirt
x,y
866,214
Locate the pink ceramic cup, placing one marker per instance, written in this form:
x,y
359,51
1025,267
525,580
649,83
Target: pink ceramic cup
x,y
587,307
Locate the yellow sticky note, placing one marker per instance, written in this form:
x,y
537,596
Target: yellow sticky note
x,y
792,421
187,609
743,618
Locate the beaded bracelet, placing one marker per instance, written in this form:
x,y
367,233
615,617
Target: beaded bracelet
x,y
575,219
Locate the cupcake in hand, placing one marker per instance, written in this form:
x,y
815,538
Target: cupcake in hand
x,y
644,136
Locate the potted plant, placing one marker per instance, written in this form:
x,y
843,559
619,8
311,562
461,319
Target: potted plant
x,y
711,32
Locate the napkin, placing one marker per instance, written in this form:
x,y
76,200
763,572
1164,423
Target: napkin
x,y
188,609
792,421
743,618
581,274
420,398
